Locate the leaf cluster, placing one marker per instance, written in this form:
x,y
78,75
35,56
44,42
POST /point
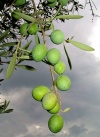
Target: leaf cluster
x,y
4,106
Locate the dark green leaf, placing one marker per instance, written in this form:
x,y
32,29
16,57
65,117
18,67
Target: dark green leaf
x,y
1,80
11,66
81,45
27,45
2,53
1,70
5,105
69,17
8,111
37,40
69,61
0,110
9,44
3,35
26,67
25,57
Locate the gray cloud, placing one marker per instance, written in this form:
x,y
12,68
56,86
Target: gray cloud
x,y
77,131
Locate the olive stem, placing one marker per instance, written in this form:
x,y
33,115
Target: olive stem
x,y
43,33
56,13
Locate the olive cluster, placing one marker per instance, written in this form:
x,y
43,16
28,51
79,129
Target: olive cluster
x,y
48,97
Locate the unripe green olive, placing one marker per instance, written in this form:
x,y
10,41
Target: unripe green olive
x,y
53,56
55,123
63,82
23,29
63,2
60,67
57,37
49,101
19,2
33,29
55,110
39,91
39,52
53,4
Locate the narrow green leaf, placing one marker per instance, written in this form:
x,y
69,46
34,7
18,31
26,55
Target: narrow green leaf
x,y
1,80
25,57
26,67
69,17
81,45
1,110
27,45
8,111
26,17
4,34
68,58
9,44
6,105
37,40
11,66
2,53
1,70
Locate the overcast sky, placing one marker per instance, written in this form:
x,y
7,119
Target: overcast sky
x,y
29,119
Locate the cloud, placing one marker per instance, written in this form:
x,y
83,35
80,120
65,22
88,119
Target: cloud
x,y
77,131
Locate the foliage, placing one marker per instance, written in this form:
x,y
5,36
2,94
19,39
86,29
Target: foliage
x,y
3,107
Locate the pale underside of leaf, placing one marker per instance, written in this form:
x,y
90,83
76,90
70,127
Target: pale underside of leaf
x,y
26,17
81,45
11,66
66,110
69,17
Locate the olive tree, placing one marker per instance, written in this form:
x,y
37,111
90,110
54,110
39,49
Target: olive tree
x,y
19,19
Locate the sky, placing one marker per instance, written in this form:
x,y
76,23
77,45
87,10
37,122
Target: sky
x,y
29,119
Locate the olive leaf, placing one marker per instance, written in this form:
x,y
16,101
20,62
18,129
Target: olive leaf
x,y
26,17
3,107
8,111
27,45
9,44
1,80
68,58
2,53
81,45
11,66
25,57
4,34
1,70
37,40
26,67
69,17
